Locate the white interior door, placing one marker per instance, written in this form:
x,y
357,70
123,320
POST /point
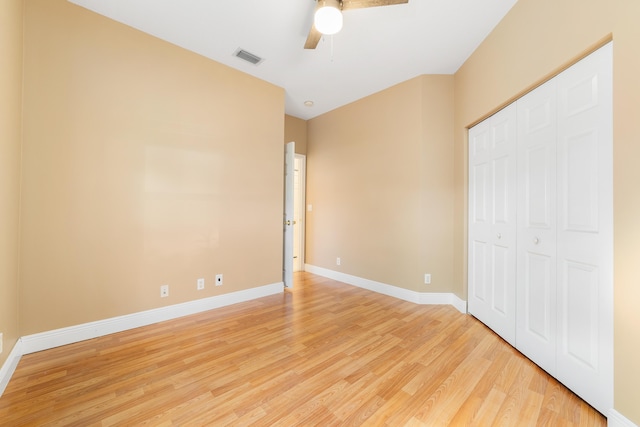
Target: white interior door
x,y
492,222
536,261
299,211
288,216
585,229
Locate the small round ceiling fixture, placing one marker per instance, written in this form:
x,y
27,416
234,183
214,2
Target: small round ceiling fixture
x,y
308,103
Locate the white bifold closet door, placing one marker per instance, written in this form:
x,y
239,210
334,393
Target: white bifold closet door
x,y
565,228
492,222
536,329
563,283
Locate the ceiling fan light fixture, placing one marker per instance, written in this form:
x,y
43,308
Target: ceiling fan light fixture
x,y
328,17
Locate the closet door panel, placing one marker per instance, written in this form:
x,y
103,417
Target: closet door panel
x,y
579,182
536,312
478,276
492,222
585,229
580,313
538,287
500,302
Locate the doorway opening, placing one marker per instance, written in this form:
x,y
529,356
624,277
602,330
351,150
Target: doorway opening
x,y
294,213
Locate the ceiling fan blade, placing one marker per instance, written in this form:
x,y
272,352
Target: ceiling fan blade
x,y
360,4
313,38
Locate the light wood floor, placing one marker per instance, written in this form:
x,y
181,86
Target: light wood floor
x,y
323,354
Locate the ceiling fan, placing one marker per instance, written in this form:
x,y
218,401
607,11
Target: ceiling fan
x,y
328,16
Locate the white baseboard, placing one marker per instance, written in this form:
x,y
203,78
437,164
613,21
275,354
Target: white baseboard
x,y
616,419
425,298
64,336
58,337
9,366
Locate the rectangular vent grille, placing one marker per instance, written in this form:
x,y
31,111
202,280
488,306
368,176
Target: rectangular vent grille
x,y
249,57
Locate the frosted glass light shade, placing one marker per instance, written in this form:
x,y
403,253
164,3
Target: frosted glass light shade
x,y
328,19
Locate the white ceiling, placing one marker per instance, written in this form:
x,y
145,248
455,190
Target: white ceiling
x,y
377,47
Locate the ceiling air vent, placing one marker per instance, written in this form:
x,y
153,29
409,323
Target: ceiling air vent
x,y
249,57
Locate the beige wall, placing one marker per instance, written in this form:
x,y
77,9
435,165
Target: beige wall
x,y
295,129
438,183
536,39
10,136
379,177
139,170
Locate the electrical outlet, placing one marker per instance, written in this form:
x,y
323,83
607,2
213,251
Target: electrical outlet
x,y
164,291
427,279
338,261
218,279
200,284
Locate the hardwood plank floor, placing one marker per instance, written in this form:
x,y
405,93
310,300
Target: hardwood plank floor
x,y
324,354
